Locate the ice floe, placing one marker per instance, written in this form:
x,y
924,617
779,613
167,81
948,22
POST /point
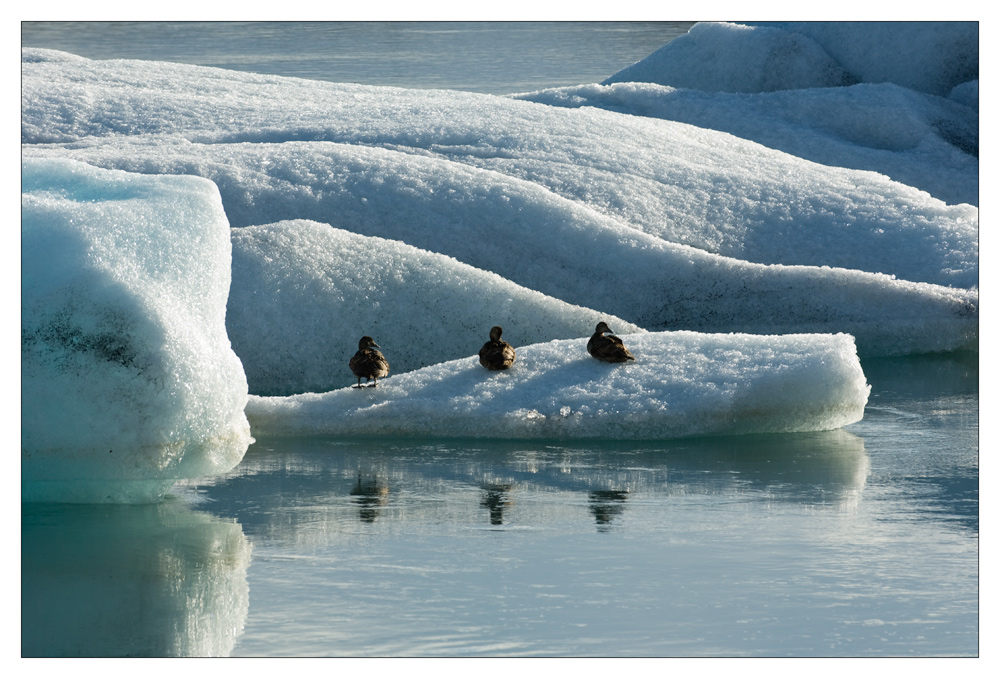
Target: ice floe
x,y
681,384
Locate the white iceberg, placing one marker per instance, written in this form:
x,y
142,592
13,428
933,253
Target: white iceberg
x,y
918,139
566,250
727,57
284,148
681,384
304,293
128,381
929,56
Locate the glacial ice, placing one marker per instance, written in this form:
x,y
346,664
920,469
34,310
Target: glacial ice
x,y
324,155
921,140
927,56
728,57
567,250
681,384
930,57
128,381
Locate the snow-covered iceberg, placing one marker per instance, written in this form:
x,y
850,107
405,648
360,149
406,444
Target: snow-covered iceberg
x,y
684,184
569,251
898,98
914,138
927,56
304,293
662,224
681,384
128,380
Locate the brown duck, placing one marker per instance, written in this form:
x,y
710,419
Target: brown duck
x,y
369,362
496,354
607,348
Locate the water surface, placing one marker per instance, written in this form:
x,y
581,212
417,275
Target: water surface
x,y
856,542
490,57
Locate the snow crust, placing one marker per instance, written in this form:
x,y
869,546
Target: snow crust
x,y
681,384
563,202
128,381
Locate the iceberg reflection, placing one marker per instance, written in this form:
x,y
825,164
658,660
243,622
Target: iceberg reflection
x,y
120,580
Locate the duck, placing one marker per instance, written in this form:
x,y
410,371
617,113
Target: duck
x,y
497,354
369,362
607,348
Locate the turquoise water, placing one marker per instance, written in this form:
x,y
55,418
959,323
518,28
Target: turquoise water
x,y
857,542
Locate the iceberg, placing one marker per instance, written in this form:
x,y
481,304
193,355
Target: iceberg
x,y
927,56
918,139
930,57
304,293
284,148
730,57
128,380
682,384
560,248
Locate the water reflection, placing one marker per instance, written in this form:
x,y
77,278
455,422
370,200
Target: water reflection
x,y
305,490
606,506
496,497
370,493
113,580
924,377
922,420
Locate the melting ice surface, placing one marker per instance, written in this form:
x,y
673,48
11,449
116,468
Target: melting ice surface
x,y
423,217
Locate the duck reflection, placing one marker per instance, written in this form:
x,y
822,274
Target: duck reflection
x,y
606,506
821,470
370,494
495,498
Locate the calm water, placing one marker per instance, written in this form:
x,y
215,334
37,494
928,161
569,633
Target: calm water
x,y
857,542
490,57
854,542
